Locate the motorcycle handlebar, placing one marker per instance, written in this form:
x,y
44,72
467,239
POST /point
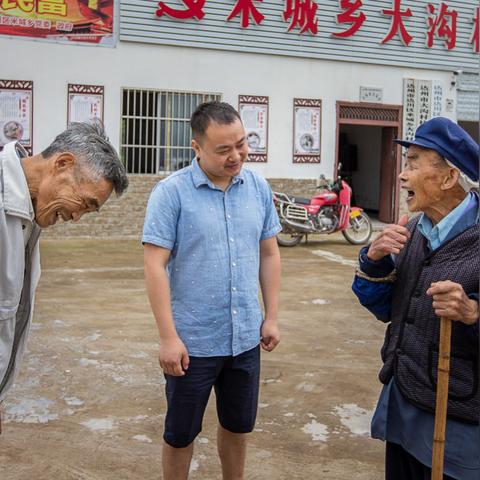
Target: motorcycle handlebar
x,y
330,184
336,185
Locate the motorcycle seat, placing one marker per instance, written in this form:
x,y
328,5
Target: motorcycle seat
x,y
301,200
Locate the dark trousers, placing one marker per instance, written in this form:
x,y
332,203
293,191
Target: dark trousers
x,y
400,465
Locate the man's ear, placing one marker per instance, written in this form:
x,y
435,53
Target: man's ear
x,y
196,147
450,179
64,162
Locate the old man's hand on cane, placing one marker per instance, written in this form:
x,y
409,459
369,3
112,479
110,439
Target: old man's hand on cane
x,y
450,304
450,301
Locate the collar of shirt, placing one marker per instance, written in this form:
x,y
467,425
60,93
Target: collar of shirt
x,y
438,234
14,198
200,178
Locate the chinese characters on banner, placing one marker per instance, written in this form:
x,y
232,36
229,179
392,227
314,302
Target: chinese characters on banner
x,y
306,130
371,94
87,21
301,16
475,37
437,98
422,100
409,120
254,114
397,27
194,10
348,17
85,103
16,112
246,9
444,25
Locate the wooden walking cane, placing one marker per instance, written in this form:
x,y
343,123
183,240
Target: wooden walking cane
x,y
442,398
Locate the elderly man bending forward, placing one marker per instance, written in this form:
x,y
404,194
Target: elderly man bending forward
x,y
76,174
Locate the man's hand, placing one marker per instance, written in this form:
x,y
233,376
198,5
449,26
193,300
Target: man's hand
x,y
391,240
173,357
270,335
450,301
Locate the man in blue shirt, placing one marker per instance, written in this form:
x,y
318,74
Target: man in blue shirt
x,y
410,276
210,238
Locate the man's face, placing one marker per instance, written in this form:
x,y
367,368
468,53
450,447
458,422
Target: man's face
x,y
222,150
67,195
422,178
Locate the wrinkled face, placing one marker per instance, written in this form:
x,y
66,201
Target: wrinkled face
x,y
66,196
222,150
422,178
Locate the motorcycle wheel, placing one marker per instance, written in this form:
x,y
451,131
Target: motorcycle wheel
x,y
287,239
359,230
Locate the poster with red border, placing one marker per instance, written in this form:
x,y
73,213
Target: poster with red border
x,y
253,110
85,103
307,115
84,21
16,112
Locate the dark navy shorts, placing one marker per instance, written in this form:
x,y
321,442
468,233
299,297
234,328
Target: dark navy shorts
x,y
236,381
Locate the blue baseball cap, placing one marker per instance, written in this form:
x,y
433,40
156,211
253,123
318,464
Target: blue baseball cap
x,y
450,141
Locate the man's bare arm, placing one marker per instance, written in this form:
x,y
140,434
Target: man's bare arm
x,y
270,285
173,355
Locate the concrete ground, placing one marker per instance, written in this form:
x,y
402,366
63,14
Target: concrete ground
x,y
89,401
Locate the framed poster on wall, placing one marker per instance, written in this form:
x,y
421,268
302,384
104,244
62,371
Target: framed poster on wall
x,y
16,113
307,117
254,114
85,103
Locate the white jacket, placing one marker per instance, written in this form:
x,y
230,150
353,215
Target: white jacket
x,y
19,265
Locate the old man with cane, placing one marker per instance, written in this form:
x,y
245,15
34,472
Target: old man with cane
x,y
74,175
414,274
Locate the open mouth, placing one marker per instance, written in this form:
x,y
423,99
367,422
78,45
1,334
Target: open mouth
x,y
410,193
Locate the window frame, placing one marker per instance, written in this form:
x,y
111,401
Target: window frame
x,y
168,140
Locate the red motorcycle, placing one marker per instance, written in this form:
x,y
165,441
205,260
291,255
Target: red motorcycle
x,y
328,212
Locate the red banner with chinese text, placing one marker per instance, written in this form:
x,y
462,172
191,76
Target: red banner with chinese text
x,y
88,21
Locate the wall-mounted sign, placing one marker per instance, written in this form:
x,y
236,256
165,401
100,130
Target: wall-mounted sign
x,y
306,130
85,103
254,113
422,100
437,99
449,105
351,17
371,94
87,21
16,112
409,100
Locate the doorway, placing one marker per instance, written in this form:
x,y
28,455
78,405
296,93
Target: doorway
x,y
370,160
472,128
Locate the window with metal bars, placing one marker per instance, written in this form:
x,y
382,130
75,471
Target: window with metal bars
x,y
156,136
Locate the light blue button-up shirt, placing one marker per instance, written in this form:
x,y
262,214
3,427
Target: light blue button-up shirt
x,y
214,238
437,234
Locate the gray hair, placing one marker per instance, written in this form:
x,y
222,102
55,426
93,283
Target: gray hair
x,y
90,144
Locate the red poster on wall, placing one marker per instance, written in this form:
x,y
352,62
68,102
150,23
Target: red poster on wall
x,y
88,21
